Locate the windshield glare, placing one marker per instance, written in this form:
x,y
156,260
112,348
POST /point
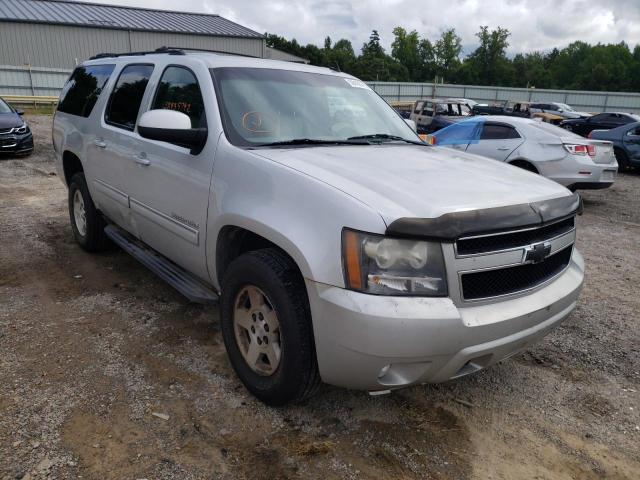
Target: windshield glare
x,y
4,108
261,106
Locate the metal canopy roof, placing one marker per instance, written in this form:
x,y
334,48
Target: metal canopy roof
x,y
126,18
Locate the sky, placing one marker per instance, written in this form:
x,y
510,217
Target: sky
x,y
534,24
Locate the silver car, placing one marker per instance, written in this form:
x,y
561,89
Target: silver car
x,y
560,109
339,250
551,151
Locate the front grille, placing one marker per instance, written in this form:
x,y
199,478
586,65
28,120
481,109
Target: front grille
x,y
507,240
503,281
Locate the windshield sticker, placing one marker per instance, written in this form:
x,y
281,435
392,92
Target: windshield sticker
x,y
356,83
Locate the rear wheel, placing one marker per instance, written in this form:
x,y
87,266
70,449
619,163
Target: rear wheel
x,y
266,325
86,222
623,160
525,166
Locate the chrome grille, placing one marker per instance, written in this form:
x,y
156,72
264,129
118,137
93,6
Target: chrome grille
x,y
510,262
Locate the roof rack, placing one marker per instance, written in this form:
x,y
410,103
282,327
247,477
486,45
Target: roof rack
x,y
191,49
167,51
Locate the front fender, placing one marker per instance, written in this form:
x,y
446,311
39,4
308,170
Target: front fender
x,y
299,213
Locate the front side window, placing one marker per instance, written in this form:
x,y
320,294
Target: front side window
x,y
126,97
260,106
418,107
179,90
82,90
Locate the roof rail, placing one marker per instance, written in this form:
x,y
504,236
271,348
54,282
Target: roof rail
x,y
166,50
191,49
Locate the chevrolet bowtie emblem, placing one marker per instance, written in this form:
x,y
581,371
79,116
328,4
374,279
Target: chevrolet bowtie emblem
x,y
537,253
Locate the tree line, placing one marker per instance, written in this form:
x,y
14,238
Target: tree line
x,y
579,66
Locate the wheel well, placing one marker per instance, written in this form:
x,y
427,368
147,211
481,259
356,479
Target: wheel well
x,y
71,165
621,150
234,241
528,166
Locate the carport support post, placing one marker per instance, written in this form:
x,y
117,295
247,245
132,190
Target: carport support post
x,y
33,90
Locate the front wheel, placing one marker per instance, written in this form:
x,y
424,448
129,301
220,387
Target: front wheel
x,y
266,325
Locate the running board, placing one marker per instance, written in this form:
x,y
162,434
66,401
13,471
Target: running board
x,y
186,283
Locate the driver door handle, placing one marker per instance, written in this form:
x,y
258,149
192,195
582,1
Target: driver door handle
x,y
98,142
141,159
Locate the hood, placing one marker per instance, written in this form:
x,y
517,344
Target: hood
x,y
417,181
9,120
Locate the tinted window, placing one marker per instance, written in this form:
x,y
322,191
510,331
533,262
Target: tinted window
x,y
82,90
4,108
126,98
634,131
179,90
498,132
601,117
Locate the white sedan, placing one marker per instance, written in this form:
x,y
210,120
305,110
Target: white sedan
x,y
542,148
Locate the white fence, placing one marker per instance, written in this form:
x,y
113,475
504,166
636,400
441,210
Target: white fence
x,y
580,100
26,80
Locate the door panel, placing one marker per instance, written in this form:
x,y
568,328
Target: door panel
x,y
168,186
116,140
631,142
497,141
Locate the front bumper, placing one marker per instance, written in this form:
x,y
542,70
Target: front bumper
x,y
374,343
12,144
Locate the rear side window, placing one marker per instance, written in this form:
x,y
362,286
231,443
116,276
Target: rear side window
x,y
498,132
179,90
126,97
82,90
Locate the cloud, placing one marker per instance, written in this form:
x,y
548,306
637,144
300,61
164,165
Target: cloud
x,y
534,24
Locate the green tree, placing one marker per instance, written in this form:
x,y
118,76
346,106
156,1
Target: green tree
x,y
446,53
488,64
406,50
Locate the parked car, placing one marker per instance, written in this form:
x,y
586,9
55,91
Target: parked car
x,y
601,121
565,157
403,108
15,135
511,109
626,144
351,253
433,114
560,109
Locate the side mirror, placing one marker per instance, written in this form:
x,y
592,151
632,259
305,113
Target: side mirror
x,y
20,112
412,124
172,127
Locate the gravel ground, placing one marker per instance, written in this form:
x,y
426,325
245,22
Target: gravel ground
x,y
92,347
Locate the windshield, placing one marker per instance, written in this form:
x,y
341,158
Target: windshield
x,y
263,106
4,108
565,107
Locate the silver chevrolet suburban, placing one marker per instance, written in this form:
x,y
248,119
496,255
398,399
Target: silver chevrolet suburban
x,y
340,247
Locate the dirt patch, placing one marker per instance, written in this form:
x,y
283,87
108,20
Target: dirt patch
x,y
109,373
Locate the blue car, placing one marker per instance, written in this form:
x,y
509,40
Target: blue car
x,y
626,144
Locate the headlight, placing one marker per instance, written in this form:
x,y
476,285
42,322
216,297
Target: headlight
x,y
390,266
24,128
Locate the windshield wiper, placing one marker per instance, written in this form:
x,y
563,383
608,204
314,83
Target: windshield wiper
x,y
312,141
385,136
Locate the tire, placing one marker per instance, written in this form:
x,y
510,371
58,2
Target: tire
x,y
294,377
623,160
90,236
